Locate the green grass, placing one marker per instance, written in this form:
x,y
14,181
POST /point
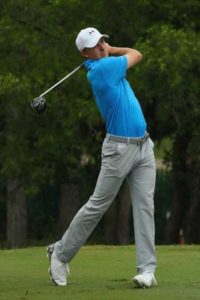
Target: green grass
x,y
100,272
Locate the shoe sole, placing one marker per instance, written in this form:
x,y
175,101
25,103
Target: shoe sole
x,y
142,285
49,270
50,250
139,284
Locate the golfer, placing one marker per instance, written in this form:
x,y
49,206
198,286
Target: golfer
x,y
127,152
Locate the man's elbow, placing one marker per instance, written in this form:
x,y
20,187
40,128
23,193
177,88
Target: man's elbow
x,y
134,58
139,56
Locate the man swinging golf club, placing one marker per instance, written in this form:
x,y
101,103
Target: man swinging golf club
x,y
127,152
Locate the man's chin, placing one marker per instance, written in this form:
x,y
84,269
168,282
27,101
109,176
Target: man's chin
x,y
104,55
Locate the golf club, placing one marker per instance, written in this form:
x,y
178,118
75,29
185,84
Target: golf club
x,y
39,103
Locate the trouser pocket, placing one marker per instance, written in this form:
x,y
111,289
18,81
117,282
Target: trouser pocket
x,y
109,148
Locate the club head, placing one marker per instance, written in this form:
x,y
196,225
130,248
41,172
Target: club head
x,y
39,104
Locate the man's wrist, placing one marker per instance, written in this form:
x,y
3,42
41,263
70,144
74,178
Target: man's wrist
x,y
113,50
118,51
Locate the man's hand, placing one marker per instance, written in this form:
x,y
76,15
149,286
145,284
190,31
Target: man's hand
x,y
108,48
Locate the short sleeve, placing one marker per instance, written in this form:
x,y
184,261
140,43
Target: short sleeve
x,y
114,68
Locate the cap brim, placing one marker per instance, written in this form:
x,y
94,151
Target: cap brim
x,y
95,42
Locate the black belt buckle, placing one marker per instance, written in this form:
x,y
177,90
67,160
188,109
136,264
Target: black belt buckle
x,y
140,142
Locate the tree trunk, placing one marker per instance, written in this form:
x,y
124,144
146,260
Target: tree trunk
x,y
123,222
2,216
180,201
16,215
193,233
68,205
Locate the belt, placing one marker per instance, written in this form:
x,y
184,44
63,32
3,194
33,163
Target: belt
x,y
127,140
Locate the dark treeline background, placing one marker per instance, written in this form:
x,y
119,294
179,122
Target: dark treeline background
x,y
49,163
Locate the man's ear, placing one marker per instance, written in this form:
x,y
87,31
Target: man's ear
x,y
83,53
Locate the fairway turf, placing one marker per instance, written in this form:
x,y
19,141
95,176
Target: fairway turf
x,y
100,272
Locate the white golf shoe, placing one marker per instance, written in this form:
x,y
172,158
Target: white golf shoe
x,y
58,270
145,280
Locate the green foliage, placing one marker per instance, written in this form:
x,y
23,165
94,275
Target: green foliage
x,y
37,49
41,148
167,78
43,50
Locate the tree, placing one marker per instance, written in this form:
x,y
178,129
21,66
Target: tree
x,y
170,85
38,151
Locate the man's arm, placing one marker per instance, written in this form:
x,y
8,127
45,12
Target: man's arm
x,y
133,56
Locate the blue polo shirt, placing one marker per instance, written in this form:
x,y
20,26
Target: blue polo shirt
x,y
114,97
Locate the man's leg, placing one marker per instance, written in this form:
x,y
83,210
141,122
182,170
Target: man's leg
x,y
142,185
88,216
112,173
117,161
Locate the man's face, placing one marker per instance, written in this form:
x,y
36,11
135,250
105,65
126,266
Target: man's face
x,y
99,51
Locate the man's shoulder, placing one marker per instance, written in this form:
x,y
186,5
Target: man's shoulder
x,y
110,63
104,61
111,59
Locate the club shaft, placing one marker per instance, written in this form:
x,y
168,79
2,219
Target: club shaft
x,y
57,83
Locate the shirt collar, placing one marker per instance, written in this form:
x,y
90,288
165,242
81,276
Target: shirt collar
x,y
88,63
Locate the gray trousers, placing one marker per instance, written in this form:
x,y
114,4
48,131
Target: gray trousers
x,y
119,161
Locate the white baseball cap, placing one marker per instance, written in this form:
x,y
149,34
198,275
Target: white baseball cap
x,y
88,38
